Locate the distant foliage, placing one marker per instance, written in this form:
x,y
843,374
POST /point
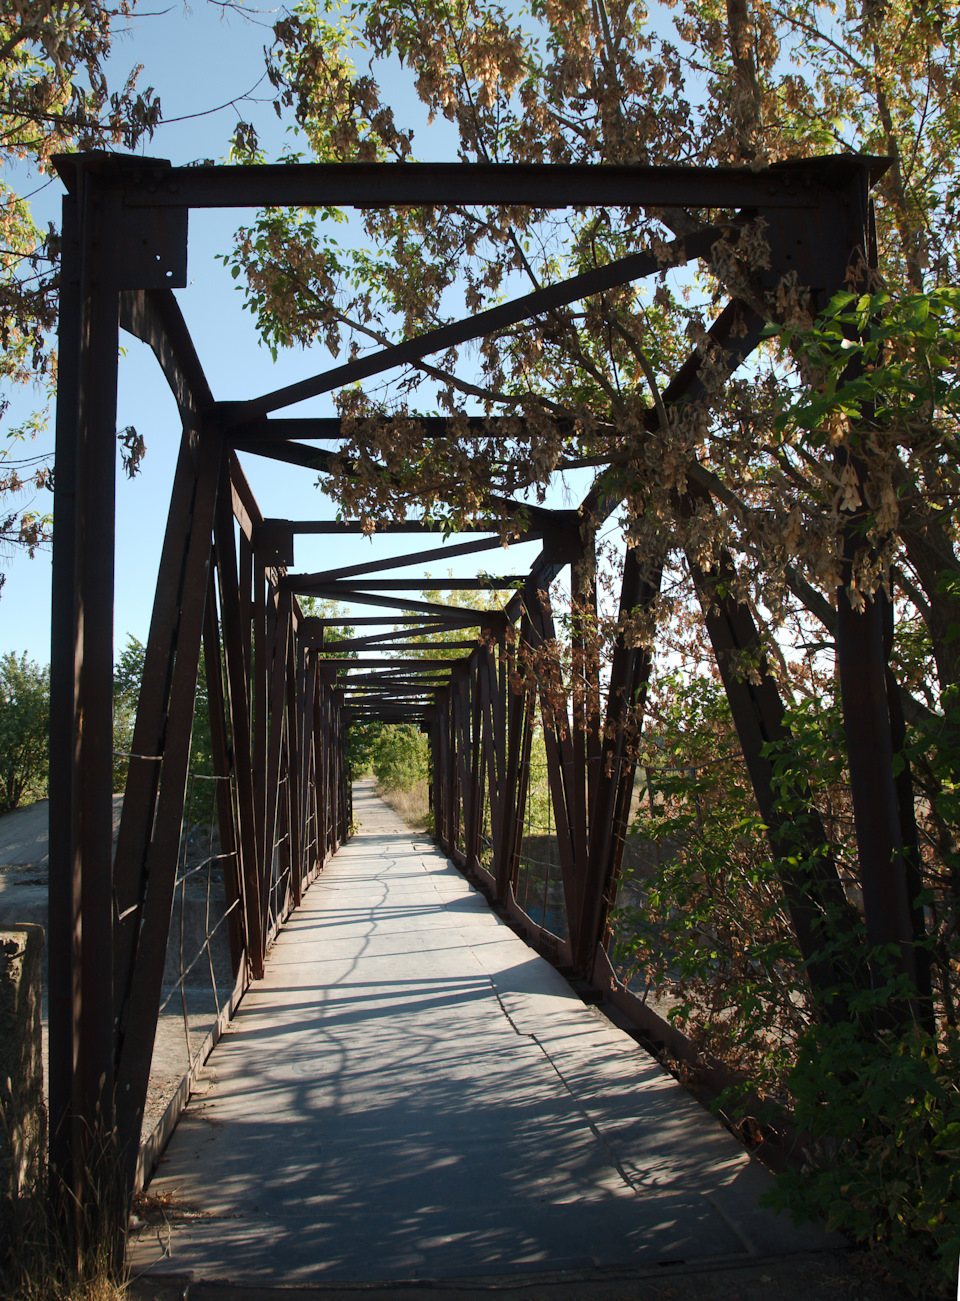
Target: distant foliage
x,y
127,677
361,743
24,730
127,673
400,756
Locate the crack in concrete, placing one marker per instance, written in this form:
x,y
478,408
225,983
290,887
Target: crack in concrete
x,y
594,1129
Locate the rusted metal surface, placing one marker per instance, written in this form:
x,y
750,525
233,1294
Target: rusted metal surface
x,y
282,688
137,1020
65,911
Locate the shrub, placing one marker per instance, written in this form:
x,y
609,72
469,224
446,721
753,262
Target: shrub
x,y
883,1160
878,1109
708,923
401,757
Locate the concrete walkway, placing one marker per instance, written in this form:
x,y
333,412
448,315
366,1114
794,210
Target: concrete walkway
x,y
411,1093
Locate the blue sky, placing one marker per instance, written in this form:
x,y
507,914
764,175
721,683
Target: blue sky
x,y
198,60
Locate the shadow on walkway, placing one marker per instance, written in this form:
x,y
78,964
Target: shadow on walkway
x,y
411,1093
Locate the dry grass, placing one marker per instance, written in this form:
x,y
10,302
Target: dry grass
x,y
39,1255
36,1264
412,803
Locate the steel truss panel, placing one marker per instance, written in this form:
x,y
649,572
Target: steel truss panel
x,y
279,703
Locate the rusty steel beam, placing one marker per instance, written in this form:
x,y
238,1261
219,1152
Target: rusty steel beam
x,y
364,704
260,705
330,429
235,629
455,614
306,695
294,741
584,621
789,185
322,759
98,264
64,918
434,624
387,712
494,741
96,506
309,458
376,705
559,752
153,316
415,558
385,662
416,671
407,526
885,852
518,736
813,890
138,1024
406,685
634,266
373,643
279,619
220,752
306,583
862,669
609,805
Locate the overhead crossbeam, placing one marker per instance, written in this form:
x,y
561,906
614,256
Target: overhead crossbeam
x,y
414,558
399,665
333,428
796,184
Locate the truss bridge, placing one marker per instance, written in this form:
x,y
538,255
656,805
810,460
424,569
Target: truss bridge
x,y
408,1050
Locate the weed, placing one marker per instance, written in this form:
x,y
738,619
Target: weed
x,y
50,1251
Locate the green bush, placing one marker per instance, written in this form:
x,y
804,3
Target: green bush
x,y
708,923
400,756
879,1110
883,1161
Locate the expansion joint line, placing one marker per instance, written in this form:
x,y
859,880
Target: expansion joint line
x,y
595,1131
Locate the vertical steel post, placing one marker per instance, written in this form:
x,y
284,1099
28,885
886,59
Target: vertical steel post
x,y
583,655
226,811
609,809
519,709
295,762
63,943
862,673
560,766
273,683
81,768
259,705
235,647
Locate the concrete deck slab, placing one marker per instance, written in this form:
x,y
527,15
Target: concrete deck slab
x,y
412,1093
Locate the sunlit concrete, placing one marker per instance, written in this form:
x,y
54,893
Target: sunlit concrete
x,y
412,1093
